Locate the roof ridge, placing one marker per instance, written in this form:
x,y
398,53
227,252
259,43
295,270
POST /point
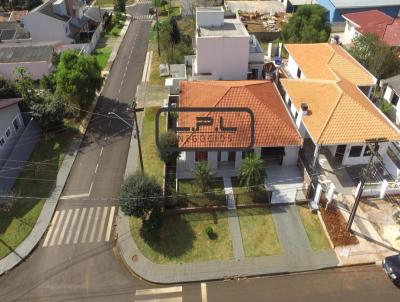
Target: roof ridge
x,y
332,112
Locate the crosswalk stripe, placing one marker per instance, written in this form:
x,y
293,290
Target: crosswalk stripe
x,y
102,222
64,227
157,291
89,218
50,230
172,299
78,229
96,218
71,228
110,222
203,292
57,228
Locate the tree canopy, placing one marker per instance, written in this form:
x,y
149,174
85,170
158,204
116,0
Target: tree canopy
x,y
203,174
167,141
120,6
380,59
307,25
252,171
7,89
78,77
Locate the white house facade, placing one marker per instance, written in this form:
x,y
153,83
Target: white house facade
x,y
391,94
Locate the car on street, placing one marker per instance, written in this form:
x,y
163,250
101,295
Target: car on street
x,y
391,265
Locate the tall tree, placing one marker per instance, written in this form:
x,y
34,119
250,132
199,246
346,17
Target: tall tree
x,y
25,87
7,89
252,171
380,59
203,174
307,25
78,77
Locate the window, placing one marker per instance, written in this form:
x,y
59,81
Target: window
x,y
201,156
367,151
296,115
2,142
247,153
395,100
355,151
298,73
8,132
16,124
289,103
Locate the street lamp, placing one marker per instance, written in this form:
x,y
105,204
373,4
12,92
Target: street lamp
x,y
134,109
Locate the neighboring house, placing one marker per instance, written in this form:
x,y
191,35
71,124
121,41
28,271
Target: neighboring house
x,y
326,62
391,94
292,5
276,137
12,32
35,58
62,20
224,49
375,22
328,100
337,8
14,16
11,127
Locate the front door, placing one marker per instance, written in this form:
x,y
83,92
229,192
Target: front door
x,y
231,156
340,149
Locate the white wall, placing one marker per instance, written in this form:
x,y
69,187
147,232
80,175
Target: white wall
x,y
36,69
45,28
210,17
213,159
349,33
395,113
348,161
238,159
189,159
291,154
227,58
292,67
7,116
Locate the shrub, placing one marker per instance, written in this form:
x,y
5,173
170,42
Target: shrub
x,y
167,141
210,233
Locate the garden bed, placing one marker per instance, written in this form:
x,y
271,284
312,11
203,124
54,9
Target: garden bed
x,y
191,195
243,196
182,238
336,227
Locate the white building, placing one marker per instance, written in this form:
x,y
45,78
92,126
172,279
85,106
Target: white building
x,y
392,94
224,49
36,59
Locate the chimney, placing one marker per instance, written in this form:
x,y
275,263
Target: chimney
x,y
303,112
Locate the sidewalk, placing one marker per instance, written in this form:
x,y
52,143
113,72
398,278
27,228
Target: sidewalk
x,y
31,241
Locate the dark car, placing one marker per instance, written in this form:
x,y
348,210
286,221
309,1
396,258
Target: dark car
x,y
391,265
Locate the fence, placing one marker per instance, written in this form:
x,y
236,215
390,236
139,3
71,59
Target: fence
x,y
18,157
87,48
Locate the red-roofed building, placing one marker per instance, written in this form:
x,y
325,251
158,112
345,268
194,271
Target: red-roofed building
x,y
276,137
374,22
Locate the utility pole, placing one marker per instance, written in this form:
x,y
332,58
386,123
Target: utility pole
x,y
158,31
374,148
134,109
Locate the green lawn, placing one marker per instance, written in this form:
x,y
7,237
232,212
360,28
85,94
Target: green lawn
x,y
195,196
153,165
102,54
258,232
17,221
182,238
110,3
244,196
314,230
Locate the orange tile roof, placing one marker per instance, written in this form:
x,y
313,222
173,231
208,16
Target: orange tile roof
x,y
272,124
328,61
339,113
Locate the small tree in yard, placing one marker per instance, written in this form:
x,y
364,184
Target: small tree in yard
x,y
48,111
252,171
307,25
7,89
380,59
203,174
120,6
141,196
167,141
385,106
25,87
78,77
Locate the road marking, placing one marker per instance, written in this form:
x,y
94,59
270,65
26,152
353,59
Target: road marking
x,y
203,292
110,222
101,151
96,218
177,299
146,62
91,186
57,228
74,196
97,166
78,230
50,230
64,227
149,66
72,226
102,222
89,218
158,291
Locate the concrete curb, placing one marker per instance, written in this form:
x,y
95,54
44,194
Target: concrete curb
x,y
30,242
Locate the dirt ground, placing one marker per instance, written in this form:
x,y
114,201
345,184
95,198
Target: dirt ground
x,y
385,216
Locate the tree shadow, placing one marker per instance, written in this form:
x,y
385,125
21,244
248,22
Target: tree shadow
x,y
174,238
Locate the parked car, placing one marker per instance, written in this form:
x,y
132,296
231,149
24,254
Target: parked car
x,y
391,265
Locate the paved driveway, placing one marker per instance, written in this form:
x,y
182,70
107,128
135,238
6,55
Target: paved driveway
x,y
284,181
